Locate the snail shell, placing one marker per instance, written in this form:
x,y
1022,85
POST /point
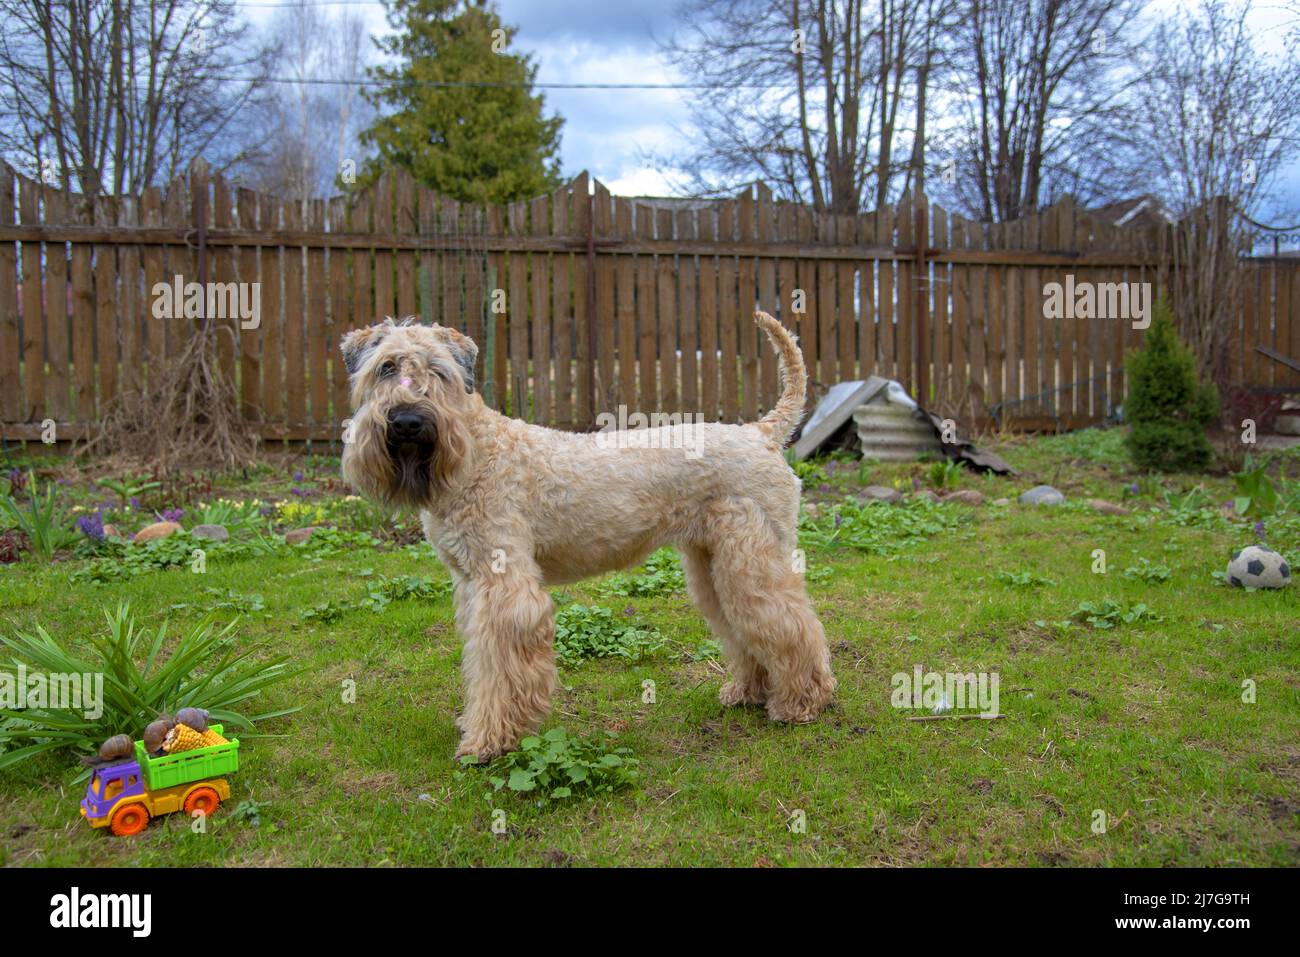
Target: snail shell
x,y
195,718
154,735
116,748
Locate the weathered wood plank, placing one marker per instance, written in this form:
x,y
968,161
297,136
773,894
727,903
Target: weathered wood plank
x,y
317,385
688,315
270,211
562,309
250,358
405,224
295,320
647,329
107,309
729,346
708,321
56,313
605,395
83,322
765,223
668,317
625,310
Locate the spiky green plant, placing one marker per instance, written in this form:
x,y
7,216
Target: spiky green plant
x,y
143,675
43,520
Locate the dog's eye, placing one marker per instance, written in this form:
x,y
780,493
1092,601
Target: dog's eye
x,y
387,369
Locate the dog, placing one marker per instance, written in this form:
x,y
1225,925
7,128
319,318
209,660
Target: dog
x,y
512,507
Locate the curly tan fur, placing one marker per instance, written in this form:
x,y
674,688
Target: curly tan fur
x,y
512,507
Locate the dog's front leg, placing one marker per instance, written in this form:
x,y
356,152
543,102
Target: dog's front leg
x,y
508,624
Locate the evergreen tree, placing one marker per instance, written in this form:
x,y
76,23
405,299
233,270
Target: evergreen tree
x,y
486,143
1167,405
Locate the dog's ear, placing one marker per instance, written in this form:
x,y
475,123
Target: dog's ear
x,y
358,342
463,350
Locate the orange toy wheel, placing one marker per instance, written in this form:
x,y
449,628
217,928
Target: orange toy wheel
x,y
130,819
202,799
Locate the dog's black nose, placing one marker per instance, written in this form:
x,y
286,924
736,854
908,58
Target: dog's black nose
x,y
405,426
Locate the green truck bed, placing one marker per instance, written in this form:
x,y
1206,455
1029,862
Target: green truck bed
x,y
188,766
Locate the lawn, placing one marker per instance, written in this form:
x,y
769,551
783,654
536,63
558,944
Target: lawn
x,y
1140,726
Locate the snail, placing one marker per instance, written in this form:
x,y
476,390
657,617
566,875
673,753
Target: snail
x,y
156,733
195,718
117,748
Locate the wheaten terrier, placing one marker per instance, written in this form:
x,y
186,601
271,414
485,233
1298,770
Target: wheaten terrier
x,y
512,507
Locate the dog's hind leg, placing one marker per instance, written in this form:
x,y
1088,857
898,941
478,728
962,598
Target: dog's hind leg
x,y
508,624
763,598
748,684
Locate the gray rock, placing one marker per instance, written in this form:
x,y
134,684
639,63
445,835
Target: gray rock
x,y
926,494
1041,495
298,535
1002,501
966,496
880,493
214,533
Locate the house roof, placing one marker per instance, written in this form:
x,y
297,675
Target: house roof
x,y
1139,211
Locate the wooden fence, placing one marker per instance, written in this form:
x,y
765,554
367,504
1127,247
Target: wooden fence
x,y
581,301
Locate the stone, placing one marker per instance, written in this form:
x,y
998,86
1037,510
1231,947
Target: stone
x,y
965,496
1107,508
925,493
1002,501
298,535
151,533
110,531
213,533
1041,495
880,493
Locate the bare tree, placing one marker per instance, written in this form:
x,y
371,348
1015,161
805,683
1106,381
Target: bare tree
x,y
810,95
1213,124
1038,86
308,130
117,95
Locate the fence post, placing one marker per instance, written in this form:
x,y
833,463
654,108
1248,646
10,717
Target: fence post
x,y
589,373
922,302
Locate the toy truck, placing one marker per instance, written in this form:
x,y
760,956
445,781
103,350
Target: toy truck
x,y
123,796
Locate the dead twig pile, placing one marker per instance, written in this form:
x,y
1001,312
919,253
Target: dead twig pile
x,y
186,417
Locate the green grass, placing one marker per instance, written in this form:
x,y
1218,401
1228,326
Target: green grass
x,y
1144,720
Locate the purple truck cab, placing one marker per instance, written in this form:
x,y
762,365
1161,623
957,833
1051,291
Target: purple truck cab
x,y
101,794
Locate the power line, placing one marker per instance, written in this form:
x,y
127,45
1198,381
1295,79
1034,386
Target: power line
x,y
305,3
482,85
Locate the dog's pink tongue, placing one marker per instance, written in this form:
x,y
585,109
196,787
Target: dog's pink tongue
x,y
406,381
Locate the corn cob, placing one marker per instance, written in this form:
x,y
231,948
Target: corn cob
x,y
211,737
182,738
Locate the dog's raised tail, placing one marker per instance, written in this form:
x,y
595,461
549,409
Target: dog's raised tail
x,y
787,412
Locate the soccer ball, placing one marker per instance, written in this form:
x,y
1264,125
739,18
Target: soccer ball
x,y
1258,567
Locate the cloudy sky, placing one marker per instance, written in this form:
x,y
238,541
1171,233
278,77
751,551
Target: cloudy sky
x,y
613,133
617,134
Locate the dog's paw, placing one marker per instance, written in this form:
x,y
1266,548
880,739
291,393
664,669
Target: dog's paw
x,y
480,752
800,709
735,693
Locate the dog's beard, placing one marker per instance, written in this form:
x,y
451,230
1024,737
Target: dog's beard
x,y
410,474
413,468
